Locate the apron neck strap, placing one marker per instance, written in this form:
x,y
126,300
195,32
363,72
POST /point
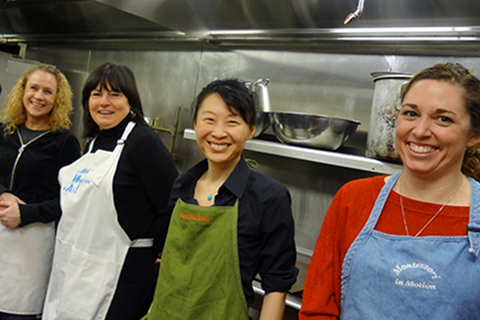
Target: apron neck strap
x,y
380,202
122,139
473,227
126,132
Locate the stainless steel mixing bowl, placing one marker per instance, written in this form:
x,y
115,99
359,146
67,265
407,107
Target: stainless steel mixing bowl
x,y
310,130
262,122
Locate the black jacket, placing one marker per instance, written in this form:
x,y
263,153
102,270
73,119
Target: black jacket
x,y
35,176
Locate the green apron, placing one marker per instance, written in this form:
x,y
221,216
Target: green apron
x,y
199,275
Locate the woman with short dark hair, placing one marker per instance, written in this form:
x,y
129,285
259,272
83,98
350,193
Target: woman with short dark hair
x,y
229,223
113,199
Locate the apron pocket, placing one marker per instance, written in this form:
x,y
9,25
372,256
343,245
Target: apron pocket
x,y
84,287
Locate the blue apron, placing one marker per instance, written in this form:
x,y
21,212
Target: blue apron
x,y
402,277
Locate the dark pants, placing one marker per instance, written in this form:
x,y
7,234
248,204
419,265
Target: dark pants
x,y
131,301
8,316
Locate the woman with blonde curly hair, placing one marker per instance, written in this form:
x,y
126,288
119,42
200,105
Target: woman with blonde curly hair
x,y
34,145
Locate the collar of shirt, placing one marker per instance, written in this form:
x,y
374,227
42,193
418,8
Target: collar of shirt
x,y
235,183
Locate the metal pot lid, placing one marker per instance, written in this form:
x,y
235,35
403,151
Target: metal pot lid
x,y
379,75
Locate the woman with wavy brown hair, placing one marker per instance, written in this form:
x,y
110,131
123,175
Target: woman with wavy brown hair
x,y
34,145
407,246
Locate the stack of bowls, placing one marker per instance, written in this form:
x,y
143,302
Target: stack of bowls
x,y
311,130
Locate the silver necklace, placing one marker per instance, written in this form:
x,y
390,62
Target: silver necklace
x,y
434,216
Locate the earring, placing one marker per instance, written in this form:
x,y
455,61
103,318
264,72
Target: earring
x,y
132,114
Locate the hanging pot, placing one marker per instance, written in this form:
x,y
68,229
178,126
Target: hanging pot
x,y
262,104
260,94
262,100
383,117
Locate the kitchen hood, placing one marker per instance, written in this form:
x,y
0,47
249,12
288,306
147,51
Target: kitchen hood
x,y
69,21
244,22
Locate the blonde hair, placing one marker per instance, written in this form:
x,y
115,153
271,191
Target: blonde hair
x,y
15,114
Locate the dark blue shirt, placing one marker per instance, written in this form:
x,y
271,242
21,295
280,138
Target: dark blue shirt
x,y
265,224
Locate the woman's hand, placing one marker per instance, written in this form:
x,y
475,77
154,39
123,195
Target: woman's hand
x,y
159,259
9,210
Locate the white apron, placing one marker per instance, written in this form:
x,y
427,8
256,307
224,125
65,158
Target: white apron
x,y
90,246
25,263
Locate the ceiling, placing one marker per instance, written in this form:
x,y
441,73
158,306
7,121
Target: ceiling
x,y
237,21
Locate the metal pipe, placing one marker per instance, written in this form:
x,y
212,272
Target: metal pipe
x,y
289,302
356,14
172,131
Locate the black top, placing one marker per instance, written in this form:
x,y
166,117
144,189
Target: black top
x,y
265,224
35,177
29,134
141,188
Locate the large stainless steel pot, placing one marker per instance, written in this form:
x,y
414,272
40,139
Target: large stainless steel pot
x,y
383,118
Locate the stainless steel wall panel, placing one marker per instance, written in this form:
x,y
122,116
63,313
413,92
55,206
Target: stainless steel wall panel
x,y
11,69
324,83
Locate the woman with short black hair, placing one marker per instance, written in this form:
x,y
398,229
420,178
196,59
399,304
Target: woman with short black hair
x,y
229,223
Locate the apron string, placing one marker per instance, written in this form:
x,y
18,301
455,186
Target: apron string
x,y
142,243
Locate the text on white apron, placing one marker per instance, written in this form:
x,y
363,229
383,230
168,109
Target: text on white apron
x,y
77,181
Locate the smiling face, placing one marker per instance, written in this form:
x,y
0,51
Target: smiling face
x,y
39,98
221,132
433,129
108,108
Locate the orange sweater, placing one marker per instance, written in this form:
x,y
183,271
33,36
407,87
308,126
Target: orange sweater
x,y
348,213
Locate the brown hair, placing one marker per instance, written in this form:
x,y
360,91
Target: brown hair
x,y
456,74
15,114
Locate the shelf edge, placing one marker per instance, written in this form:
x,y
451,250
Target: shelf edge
x,y
314,155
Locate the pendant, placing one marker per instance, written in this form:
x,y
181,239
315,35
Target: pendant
x,y
209,198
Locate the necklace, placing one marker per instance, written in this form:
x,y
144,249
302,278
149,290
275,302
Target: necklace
x,y
211,195
434,216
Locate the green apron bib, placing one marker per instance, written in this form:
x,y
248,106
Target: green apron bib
x,y
199,275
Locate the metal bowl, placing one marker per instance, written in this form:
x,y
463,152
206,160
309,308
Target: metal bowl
x,y
262,122
310,130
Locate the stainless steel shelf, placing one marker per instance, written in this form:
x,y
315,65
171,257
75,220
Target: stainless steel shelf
x,y
320,156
